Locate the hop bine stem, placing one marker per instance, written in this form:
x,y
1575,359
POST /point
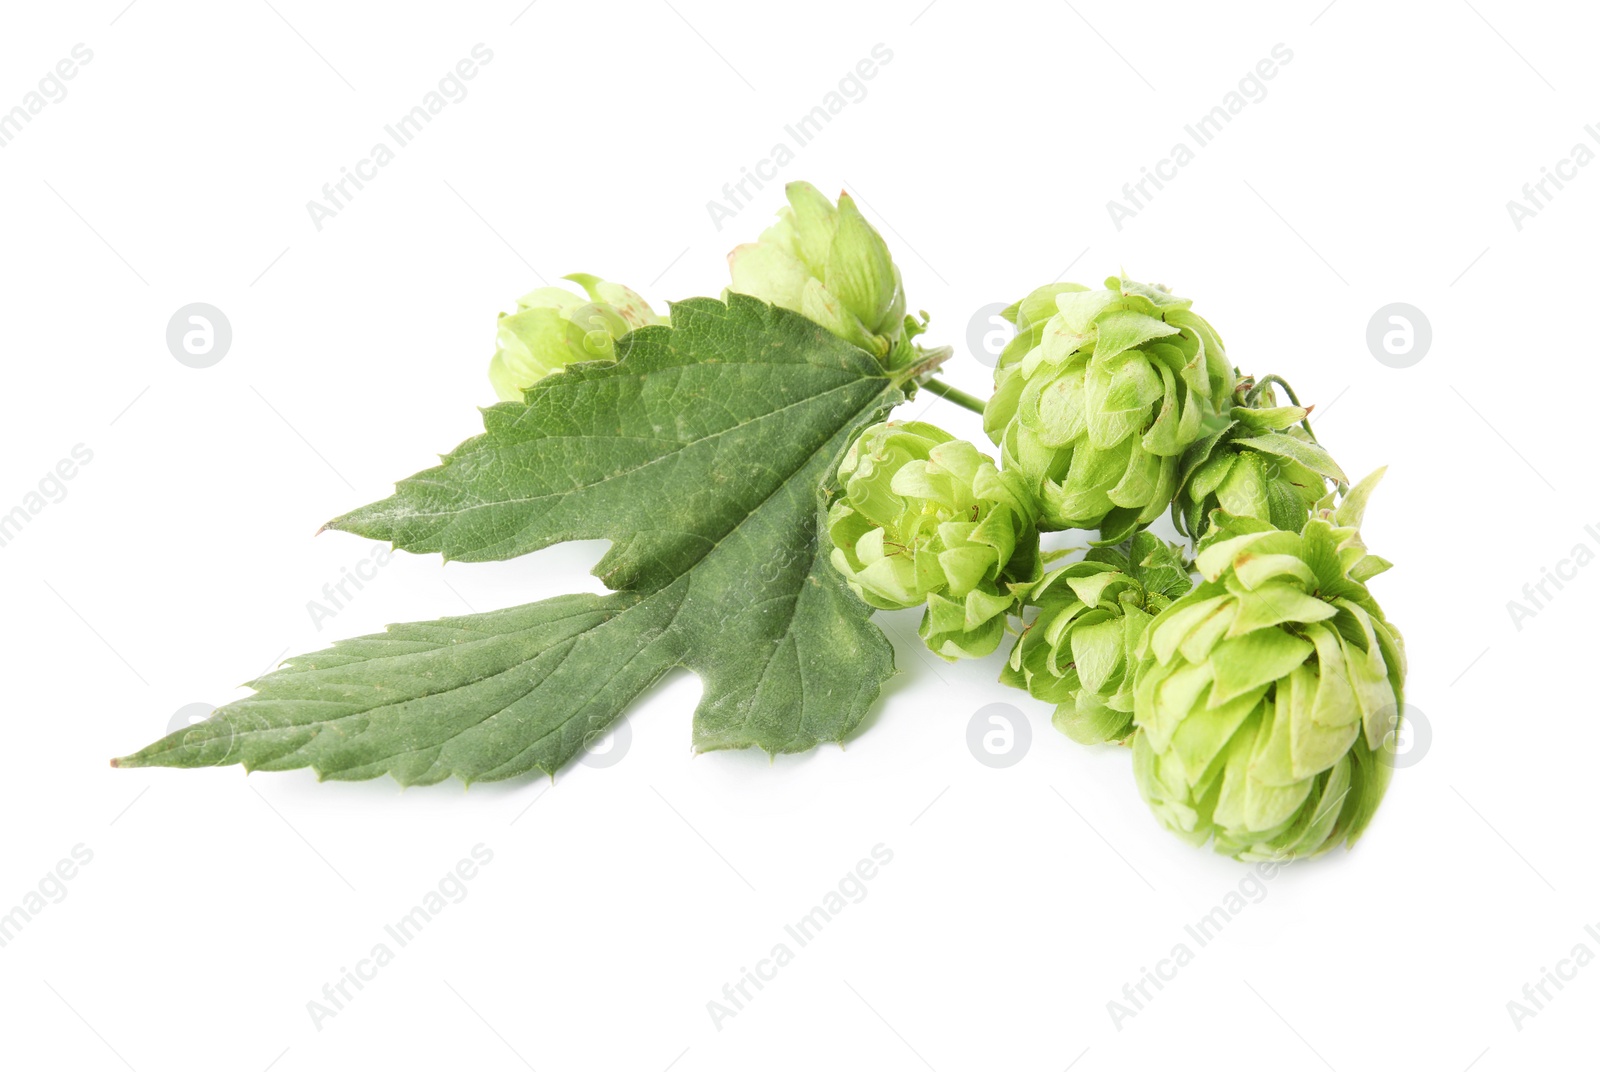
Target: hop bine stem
x,y
952,394
1267,381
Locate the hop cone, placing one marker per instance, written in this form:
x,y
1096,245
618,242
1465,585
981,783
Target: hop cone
x,y
1078,653
1262,698
922,517
1098,396
831,266
1261,464
554,327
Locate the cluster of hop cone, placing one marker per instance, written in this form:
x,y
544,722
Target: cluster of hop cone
x,y
1257,682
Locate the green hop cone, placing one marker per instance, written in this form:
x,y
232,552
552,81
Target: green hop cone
x,y
1261,464
554,327
1263,697
921,517
831,266
1099,395
1078,653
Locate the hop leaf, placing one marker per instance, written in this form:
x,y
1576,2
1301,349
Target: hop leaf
x,y
1098,396
698,454
1262,697
1078,653
554,327
832,266
923,518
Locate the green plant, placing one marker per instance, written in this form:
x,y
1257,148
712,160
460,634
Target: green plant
x,y
1078,652
553,327
760,504
922,517
829,264
1263,463
1099,394
1263,696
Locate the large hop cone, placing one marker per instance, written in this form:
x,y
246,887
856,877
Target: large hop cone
x,y
923,518
1078,652
1261,464
830,265
1263,697
1098,396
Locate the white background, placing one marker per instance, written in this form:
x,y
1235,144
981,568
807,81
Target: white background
x,y
620,900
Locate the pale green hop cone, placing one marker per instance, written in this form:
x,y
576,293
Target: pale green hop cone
x,y
1078,652
1262,698
922,518
1099,395
554,327
1263,464
830,265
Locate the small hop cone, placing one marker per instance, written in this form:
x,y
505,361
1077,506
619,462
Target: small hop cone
x,y
1261,464
830,265
1079,651
1262,698
1099,395
922,518
554,327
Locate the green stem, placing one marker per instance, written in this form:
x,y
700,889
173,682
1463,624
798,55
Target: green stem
x,y
1262,385
952,394
1266,381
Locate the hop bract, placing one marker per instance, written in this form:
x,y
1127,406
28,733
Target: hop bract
x,y
554,327
924,518
831,266
1078,653
1263,698
1262,464
1098,396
